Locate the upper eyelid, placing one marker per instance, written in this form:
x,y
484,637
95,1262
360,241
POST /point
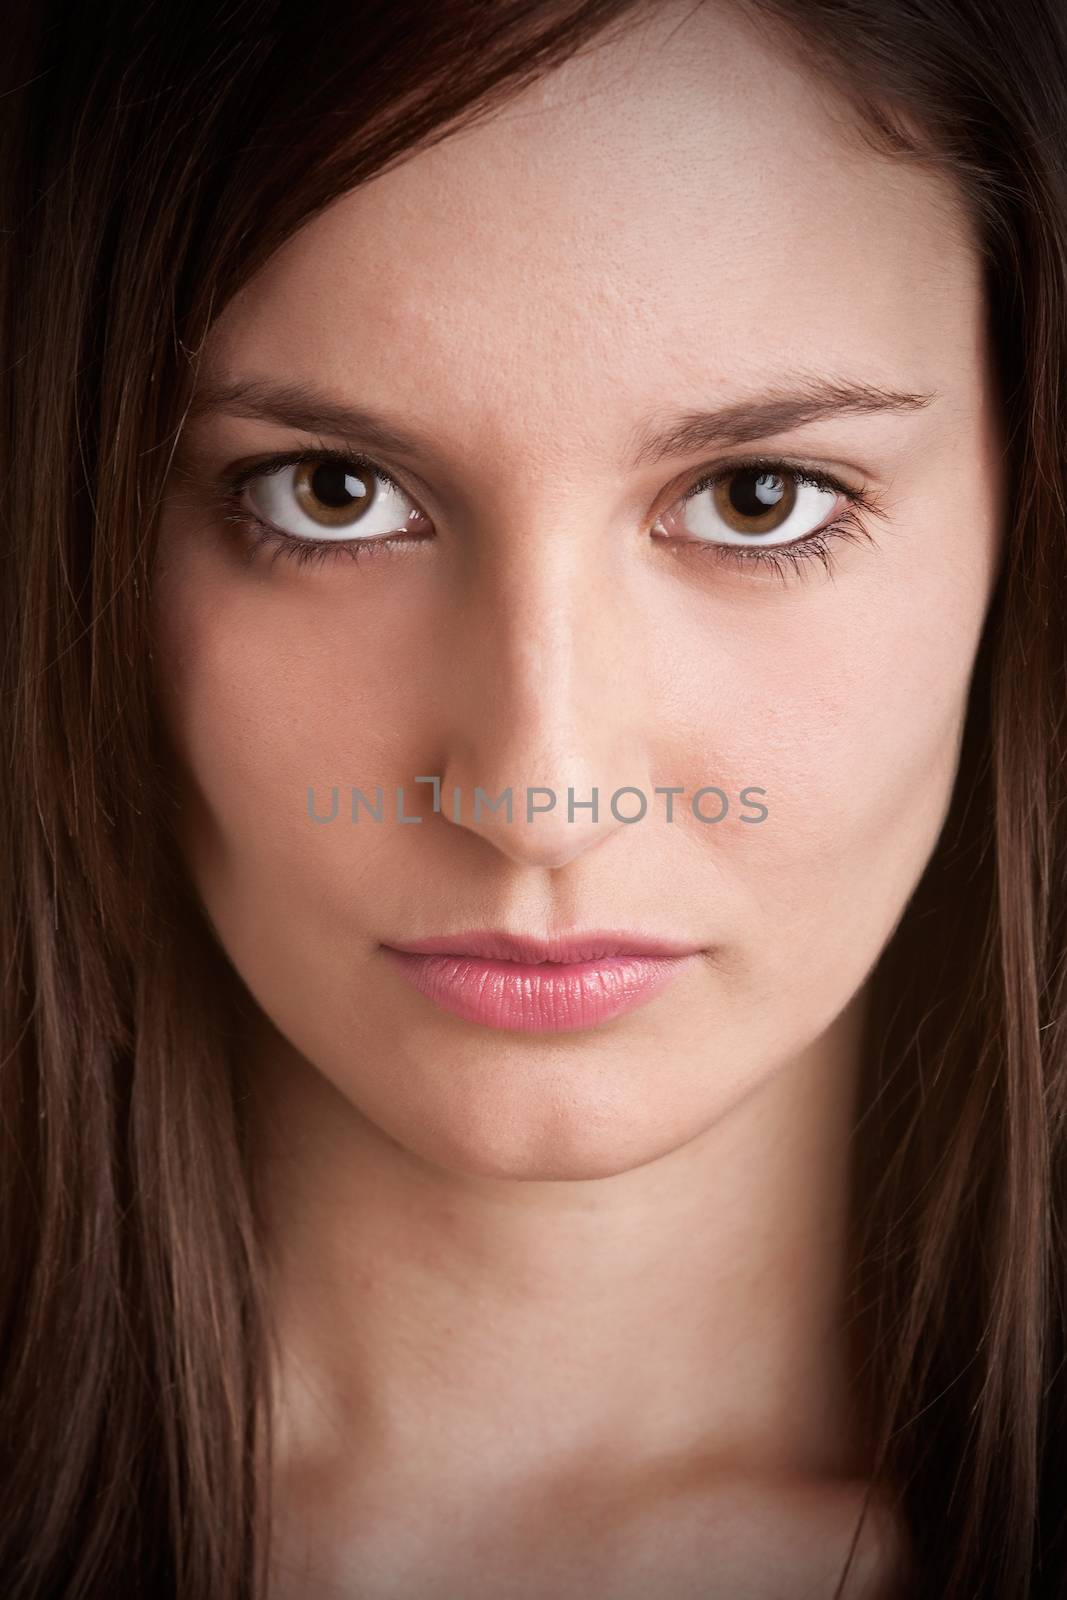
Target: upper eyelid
x,y
804,473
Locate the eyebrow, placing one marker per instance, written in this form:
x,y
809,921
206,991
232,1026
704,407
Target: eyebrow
x,y
778,410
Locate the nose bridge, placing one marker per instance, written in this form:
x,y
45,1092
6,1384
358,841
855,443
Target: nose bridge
x,y
548,706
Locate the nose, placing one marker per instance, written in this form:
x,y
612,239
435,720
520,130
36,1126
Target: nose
x,y
547,691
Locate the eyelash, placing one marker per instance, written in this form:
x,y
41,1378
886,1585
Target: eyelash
x,y
817,546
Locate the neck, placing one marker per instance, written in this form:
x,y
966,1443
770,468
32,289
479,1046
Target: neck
x,y
689,1309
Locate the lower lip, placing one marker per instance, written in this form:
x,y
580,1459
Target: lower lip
x,y
542,997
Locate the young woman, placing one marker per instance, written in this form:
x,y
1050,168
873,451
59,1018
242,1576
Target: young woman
x,y
536,924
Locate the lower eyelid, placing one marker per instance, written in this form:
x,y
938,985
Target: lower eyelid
x,y
261,537
820,545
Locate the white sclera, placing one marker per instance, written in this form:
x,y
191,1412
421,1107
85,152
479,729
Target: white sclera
x,y
809,512
274,499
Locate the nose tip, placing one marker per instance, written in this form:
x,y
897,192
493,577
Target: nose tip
x,y
542,824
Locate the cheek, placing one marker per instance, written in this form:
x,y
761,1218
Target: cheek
x,y
851,720
266,693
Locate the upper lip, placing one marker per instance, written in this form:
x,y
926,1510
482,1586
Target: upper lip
x,y
584,945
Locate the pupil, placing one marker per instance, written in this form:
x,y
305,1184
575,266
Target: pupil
x,y
334,485
752,493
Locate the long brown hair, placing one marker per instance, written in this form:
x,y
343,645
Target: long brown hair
x,y
153,156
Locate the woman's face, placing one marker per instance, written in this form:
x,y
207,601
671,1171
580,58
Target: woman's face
x,y
680,224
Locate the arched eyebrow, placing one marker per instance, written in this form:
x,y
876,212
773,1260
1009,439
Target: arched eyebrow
x,y
780,410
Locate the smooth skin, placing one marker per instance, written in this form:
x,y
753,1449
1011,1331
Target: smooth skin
x,y
561,1313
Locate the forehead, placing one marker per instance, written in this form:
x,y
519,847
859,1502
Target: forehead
x,y
681,208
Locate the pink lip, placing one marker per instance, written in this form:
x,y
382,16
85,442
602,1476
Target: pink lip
x,y
528,985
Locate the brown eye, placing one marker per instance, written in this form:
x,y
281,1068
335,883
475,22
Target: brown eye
x,y
754,501
321,498
754,505
331,492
